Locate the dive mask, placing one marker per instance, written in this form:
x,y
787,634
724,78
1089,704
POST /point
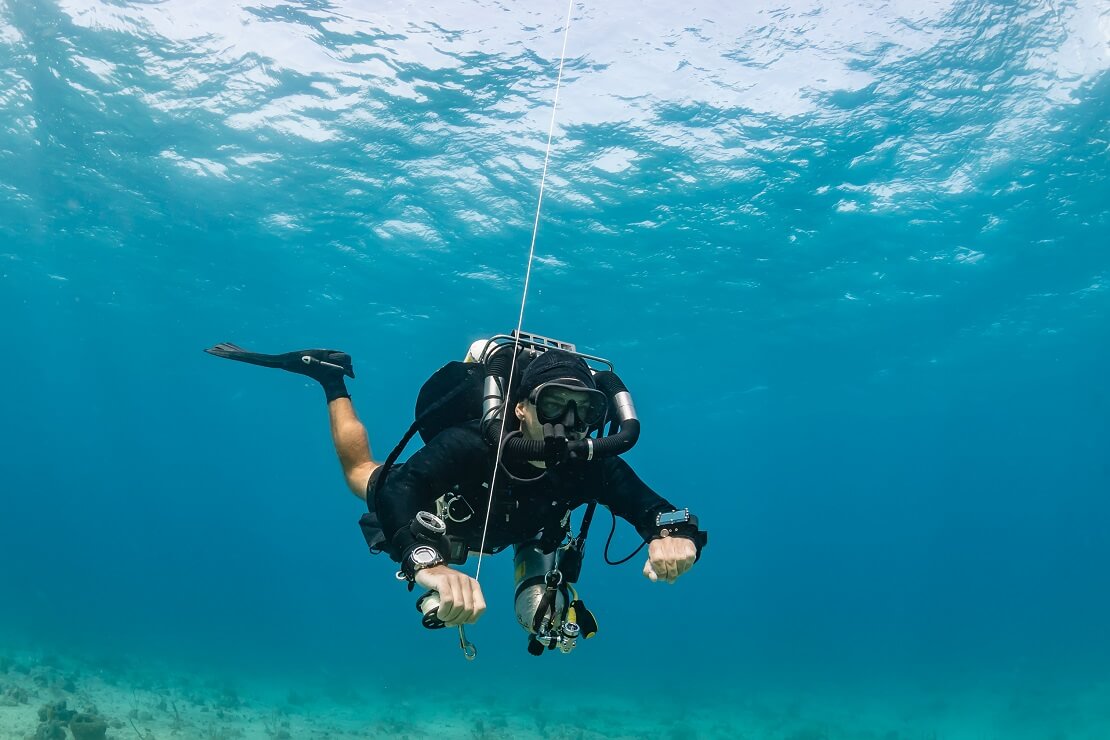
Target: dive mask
x,y
573,405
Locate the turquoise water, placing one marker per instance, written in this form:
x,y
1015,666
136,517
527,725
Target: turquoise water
x,y
851,260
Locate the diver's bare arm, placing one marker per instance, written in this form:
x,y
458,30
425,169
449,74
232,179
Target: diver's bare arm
x,y
352,445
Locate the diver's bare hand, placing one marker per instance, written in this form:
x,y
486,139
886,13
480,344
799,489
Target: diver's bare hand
x,y
668,558
460,596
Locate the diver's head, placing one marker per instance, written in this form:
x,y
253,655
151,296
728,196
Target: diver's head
x,y
558,388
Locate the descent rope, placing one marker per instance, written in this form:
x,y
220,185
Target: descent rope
x,y
524,297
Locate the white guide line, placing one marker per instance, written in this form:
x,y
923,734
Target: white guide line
x,y
524,298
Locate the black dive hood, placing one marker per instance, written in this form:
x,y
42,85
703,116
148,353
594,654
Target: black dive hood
x,y
624,427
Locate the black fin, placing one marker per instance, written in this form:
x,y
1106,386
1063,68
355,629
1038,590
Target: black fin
x,y
310,362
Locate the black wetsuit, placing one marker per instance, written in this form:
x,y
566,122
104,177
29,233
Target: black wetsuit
x,y
458,459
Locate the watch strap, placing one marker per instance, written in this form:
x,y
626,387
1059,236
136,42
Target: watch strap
x,y
410,568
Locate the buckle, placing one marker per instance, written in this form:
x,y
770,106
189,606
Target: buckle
x,y
453,507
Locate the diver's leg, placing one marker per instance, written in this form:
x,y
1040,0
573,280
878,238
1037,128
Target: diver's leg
x,y
327,367
351,444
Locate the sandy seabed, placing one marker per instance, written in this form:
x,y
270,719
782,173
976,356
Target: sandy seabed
x,y
50,697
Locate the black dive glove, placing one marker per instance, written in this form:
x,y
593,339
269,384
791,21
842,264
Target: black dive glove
x,y
325,366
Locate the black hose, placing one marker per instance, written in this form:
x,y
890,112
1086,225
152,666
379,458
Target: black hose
x,y
619,443
609,383
500,363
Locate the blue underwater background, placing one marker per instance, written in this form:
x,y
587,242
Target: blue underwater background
x,y
850,258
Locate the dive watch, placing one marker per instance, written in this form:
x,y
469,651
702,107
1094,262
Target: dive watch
x,y
681,523
673,522
419,558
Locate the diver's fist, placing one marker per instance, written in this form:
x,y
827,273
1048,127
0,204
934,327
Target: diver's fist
x,y
668,558
460,596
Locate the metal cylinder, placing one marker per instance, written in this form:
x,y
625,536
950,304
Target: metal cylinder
x,y
531,565
625,408
568,637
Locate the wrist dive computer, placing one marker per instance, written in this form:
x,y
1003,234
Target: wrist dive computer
x,y
681,523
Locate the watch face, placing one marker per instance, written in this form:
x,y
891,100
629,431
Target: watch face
x,y
673,517
424,555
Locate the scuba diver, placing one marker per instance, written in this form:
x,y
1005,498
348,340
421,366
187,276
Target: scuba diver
x,y
515,441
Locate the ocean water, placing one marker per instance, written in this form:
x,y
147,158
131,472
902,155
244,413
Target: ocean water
x,y
850,258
